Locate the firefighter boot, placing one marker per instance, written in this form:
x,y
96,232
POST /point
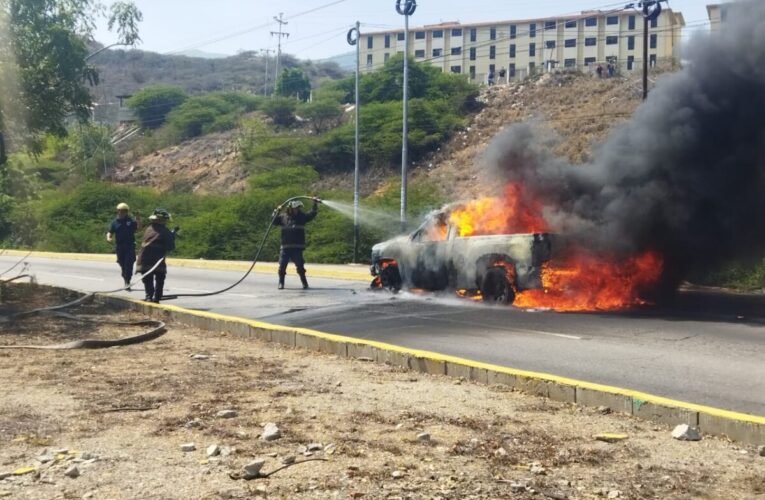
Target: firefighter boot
x,y
304,281
281,281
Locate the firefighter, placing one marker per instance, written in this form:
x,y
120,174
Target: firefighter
x,y
157,241
122,232
293,238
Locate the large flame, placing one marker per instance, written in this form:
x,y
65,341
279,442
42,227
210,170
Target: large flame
x,y
577,281
514,212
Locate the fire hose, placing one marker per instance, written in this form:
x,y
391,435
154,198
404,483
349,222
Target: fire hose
x,y
254,260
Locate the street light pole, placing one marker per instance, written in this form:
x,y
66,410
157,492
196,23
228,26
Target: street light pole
x,y
651,9
405,10
354,38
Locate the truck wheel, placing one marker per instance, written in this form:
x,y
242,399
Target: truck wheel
x,y
496,288
390,278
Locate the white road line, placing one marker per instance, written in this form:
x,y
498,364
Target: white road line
x,y
194,290
561,335
242,295
71,276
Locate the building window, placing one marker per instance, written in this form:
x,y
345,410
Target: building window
x,y
456,51
492,68
532,30
472,34
438,34
472,72
369,60
612,40
631,22
400,36
457,32
571,23
654,22
591,21
653,40
387,41
590,42
511,71
512,31
419,35
492,52
532,68
512,50
589,60
630,63
569,63
420,54
386,57
492,33
630,43
571,42
472,53
652,60
549,25
370,42
550,44
532,50
612,20
456,69
438,52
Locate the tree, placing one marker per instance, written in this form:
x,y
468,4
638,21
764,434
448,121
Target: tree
x,y
47,53
323,114
281,110
152,104
293,82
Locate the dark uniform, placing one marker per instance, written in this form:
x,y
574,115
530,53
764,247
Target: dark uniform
x,y
293,241
123,229
157,241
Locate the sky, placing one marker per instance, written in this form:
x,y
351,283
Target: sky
x,y
229,26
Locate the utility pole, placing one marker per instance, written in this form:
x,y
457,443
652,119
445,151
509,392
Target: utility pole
x,y
267,53
650,9
406,10
354,38
279,34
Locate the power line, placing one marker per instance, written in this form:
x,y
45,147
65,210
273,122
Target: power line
x,y
279,35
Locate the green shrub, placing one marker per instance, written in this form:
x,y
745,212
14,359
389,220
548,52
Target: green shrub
x,y
152,104
281,110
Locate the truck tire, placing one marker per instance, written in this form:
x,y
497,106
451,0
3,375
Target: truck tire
x,y
390,278
496,287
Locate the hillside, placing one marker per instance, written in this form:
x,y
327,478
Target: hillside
x,y
123,72
580,109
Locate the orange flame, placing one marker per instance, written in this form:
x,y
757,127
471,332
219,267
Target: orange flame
x,y
514,212
588,282
578,281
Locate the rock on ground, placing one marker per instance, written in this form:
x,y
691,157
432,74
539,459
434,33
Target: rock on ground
x,y
685,432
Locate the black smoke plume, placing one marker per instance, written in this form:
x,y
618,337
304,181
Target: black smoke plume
x,y
684,176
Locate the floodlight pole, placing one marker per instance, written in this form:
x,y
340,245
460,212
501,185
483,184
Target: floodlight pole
x,y
354,38
650,9
405,10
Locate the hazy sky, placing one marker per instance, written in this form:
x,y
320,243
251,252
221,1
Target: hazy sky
x,y
227,26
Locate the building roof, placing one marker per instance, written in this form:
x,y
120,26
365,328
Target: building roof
x,y
565,17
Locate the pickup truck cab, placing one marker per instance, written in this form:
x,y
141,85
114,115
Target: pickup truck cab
x,y
435,257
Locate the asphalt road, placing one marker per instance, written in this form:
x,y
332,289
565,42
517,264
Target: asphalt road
x,y
707,348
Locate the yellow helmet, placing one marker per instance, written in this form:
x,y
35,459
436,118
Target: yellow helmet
x,y
123,206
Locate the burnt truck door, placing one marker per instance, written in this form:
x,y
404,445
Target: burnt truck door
x,y
430,245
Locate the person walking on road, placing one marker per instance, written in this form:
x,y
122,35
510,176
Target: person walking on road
x,y
122,233
157,241
293,223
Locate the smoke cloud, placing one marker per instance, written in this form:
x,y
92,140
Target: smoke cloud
x,y
685,176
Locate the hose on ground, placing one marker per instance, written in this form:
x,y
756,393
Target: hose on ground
x,y
252,265
16,264
158,328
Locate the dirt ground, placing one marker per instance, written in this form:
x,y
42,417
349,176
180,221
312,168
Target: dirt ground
x,y
121,415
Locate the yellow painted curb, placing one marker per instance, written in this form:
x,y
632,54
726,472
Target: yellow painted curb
x,y
637,397
359,273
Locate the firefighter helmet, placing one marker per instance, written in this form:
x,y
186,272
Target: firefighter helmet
x,y
296,204
123,206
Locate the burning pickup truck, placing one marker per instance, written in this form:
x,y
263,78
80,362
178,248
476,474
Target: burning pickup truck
x,y
436,257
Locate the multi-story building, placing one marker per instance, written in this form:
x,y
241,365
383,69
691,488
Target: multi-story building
x,y
718,15
524,47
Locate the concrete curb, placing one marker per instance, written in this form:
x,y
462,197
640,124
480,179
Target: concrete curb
x,y
339,271
736,426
